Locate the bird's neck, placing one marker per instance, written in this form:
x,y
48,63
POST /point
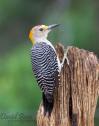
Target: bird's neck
x,y
40,40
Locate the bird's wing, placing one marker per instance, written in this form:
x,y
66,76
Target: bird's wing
x,y
45,67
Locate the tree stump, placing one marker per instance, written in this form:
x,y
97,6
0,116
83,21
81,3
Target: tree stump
x,y
77,94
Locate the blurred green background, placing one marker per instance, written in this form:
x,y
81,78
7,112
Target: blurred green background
x,y
19,94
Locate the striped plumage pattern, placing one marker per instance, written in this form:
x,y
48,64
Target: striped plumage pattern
x,y
45,67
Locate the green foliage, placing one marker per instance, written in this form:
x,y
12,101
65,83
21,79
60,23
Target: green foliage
x,y
18,88
77,26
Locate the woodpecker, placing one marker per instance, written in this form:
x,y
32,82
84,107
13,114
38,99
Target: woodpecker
x,y
45,64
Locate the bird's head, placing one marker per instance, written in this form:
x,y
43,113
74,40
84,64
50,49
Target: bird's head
x,y
39,33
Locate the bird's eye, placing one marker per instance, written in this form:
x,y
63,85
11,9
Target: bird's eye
x,y
41,29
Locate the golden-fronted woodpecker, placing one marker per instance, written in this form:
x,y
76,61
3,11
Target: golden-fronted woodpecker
x,y
45,63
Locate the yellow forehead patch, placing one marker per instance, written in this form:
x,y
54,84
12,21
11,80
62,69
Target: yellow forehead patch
x,y
44,27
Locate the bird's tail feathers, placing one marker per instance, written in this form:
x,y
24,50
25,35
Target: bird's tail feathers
x,y
48,102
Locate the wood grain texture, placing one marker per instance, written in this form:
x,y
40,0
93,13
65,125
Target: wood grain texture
x,y
77,94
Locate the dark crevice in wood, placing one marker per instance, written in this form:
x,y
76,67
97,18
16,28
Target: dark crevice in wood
x,y
70,108
87,81
74,120
70,99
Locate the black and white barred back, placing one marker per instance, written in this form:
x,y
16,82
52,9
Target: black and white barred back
x,y
45,68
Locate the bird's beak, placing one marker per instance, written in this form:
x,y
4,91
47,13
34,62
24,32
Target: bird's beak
x,y
50,27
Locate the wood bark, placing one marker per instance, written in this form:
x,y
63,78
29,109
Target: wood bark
x,y
77,94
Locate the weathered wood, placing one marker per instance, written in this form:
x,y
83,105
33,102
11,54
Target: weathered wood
x,y
77,94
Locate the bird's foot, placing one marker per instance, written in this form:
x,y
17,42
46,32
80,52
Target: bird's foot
x,y
65,58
